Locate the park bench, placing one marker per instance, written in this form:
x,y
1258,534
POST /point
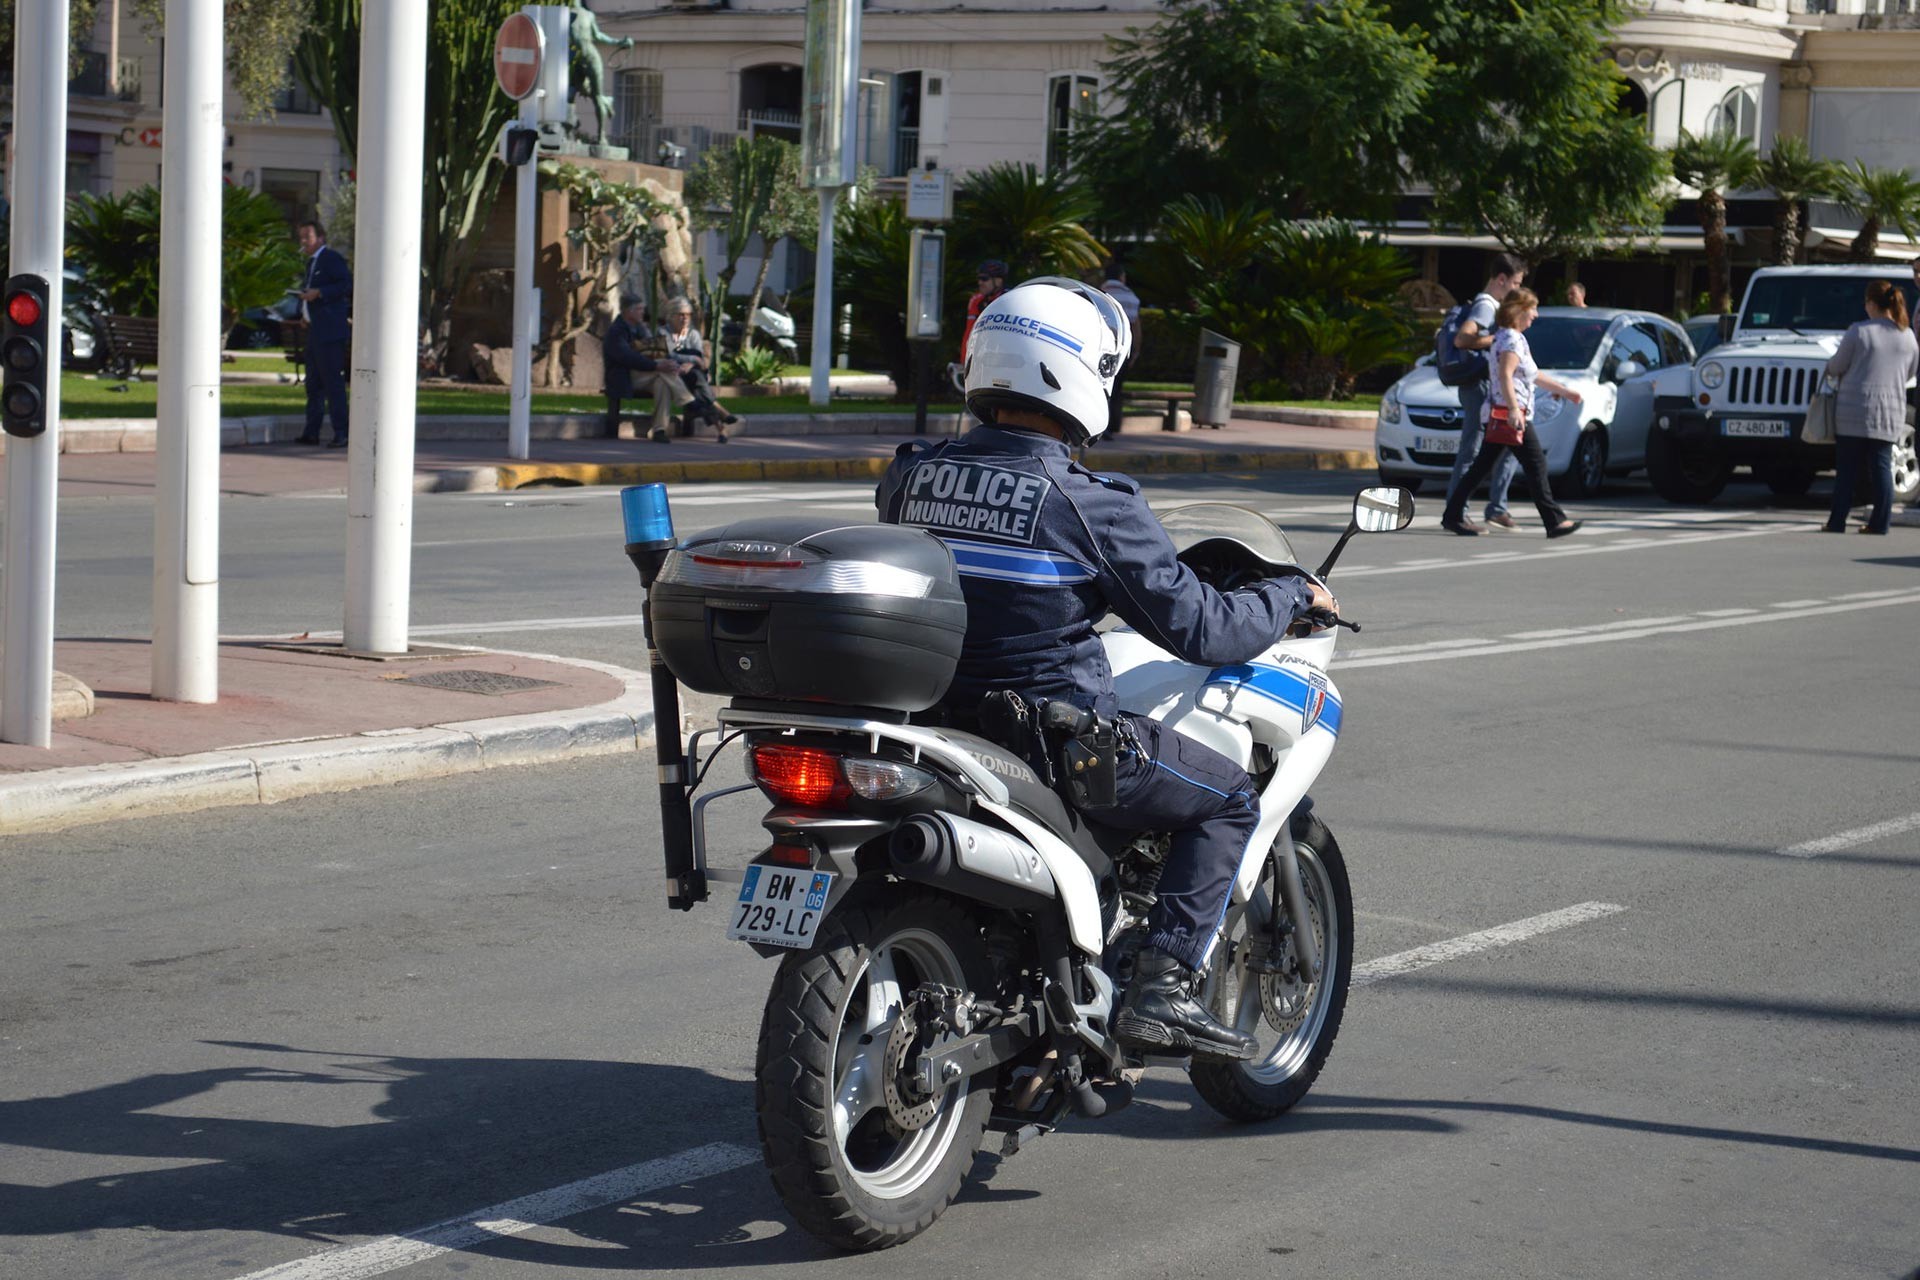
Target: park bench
x,y
132,342
1170,419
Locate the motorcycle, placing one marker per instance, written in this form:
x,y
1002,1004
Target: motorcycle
x,y
954,938
771,322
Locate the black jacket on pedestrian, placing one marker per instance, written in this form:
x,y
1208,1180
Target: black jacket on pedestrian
x,y
1045,549
621,353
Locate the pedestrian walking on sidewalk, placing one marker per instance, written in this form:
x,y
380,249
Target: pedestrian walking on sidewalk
x,y
1505,273
1510,405
683,342
1876,359
326,304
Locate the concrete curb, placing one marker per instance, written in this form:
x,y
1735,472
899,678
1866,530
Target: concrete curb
x,y
518,475
54,799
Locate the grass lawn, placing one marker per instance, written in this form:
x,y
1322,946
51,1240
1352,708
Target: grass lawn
x,y
259,362
83,396
1368,403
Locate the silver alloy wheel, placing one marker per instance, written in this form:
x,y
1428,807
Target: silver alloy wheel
x,y
883,1159
1283,1012
1590,462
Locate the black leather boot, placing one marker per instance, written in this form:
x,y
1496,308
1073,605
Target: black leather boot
x,y
1160,1014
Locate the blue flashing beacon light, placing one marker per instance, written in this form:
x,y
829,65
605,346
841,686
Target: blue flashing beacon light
x,y
644,512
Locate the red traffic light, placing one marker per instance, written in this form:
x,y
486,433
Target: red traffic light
x,y
24,309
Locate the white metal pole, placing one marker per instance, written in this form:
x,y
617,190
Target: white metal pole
x,y
526,305
386,324
186,509
820,389
39,180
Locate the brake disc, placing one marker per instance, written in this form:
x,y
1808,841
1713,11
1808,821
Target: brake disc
x,y
1283,997
905,1107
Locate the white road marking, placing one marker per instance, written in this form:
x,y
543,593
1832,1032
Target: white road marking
x,y
1849,839
1870,595
1574,549
1628,632
1504,935
1795,604
390,1253
1726,613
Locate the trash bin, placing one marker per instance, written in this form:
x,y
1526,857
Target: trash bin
x,y
1213,376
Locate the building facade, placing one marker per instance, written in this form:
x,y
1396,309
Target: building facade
x,y
965,83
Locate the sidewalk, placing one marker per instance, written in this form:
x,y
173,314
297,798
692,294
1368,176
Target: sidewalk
x,y
300,723
482,465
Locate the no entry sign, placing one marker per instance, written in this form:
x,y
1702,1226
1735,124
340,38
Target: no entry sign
x,y
517,51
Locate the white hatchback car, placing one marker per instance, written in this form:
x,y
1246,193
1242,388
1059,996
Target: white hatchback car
x,y
1611,357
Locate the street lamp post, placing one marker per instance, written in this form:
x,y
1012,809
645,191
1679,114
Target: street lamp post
x,y
186,511
386,325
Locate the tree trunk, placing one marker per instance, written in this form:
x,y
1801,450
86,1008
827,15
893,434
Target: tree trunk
x,y
1713,221
1786,233
753,299
1866,242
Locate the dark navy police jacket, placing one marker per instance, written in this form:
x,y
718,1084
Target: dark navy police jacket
x,y
1046,548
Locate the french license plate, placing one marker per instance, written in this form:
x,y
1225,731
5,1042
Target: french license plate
x,y
1436,444
1766,428
779,907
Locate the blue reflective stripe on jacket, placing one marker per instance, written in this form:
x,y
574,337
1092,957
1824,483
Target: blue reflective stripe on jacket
x,y
1046,548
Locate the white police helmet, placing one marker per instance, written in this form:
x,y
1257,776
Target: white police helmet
x,y
1052,345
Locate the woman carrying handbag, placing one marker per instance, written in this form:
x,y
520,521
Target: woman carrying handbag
x,y
1876,359
1510,420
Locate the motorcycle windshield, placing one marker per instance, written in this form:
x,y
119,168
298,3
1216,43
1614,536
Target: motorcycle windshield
x,y
1200,522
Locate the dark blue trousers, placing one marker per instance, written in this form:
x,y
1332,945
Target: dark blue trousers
x,y
1852,454
327,386
1172,783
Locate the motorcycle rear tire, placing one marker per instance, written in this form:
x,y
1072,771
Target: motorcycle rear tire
x,y
1286,1068
845,1171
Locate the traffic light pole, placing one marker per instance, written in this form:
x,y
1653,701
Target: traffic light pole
x,y
39,194
386,325
186,509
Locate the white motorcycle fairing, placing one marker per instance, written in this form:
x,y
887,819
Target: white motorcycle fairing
x,y
1282,701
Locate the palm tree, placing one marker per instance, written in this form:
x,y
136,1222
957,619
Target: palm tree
x,y
1033,221
1796,177
1715,164
1879,197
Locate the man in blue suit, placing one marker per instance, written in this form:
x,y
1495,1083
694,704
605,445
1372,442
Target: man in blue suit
x,y
326,304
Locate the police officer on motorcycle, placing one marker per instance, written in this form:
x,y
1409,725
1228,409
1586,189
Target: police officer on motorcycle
x,y
1045,549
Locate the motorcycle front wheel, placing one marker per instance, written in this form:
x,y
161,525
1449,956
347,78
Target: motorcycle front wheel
x,y
857,1158
1295,1021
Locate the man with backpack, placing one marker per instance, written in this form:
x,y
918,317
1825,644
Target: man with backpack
x,y
1460,357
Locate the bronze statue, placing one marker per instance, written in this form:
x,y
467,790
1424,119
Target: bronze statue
x,y
587,72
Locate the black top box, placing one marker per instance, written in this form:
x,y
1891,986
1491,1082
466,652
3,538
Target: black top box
x,y
866,615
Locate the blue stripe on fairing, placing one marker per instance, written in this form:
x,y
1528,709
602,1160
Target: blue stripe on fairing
x,y
1282,686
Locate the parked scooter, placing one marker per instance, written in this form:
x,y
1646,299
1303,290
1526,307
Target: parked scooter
x,y
954,938
769,321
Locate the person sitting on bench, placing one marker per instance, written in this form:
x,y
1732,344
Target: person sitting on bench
x,y
632,372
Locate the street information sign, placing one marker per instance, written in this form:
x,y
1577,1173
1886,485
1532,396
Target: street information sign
x,y
925,262
517,51
930,195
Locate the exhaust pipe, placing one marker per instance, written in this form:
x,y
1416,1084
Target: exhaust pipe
x,y
972,858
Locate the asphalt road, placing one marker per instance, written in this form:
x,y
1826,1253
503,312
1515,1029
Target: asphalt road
x,y
282,1042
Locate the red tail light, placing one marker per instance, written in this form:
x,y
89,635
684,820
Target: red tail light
x,y
807,776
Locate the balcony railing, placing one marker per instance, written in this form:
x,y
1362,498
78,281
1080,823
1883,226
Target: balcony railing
x,y
129,90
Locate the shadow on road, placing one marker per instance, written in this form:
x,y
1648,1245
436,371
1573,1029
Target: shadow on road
x,y
446,1136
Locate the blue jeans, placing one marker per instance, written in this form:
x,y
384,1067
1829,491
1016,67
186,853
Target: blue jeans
x,y
1472,397
1851,453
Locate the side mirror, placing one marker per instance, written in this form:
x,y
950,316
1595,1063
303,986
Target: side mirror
x,y
1377,510
1382,510
1627,370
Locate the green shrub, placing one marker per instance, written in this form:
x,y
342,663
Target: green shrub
x,y
756,366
